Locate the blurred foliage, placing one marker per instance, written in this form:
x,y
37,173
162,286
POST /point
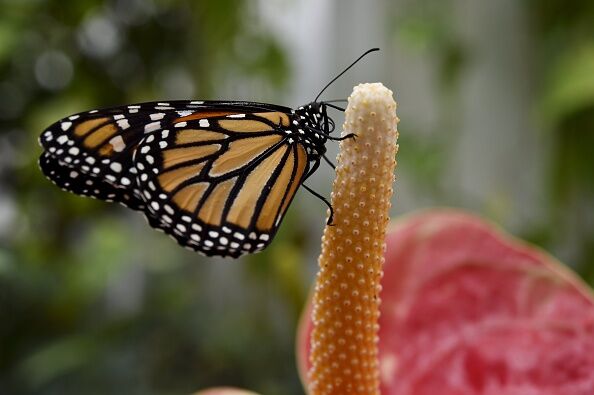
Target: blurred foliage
x,y
91,299
566,50
563,37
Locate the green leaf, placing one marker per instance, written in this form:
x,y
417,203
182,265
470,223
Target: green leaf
x,y
571,84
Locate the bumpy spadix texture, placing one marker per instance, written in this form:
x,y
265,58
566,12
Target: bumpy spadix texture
x,y
346,300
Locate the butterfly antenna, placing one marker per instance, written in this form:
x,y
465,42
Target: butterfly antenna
x,y
344,71
335,107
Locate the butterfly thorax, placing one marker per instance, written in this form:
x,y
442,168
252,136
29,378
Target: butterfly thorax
x,y
313,128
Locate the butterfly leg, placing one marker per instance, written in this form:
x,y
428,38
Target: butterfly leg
x,y
329,161
346,136
323,199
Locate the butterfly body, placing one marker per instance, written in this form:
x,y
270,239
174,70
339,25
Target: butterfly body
x,y
217,176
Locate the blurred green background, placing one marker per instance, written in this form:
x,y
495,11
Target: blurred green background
x,y
497,106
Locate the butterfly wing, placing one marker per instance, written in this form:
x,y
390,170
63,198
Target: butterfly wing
x,y
221,185
100,143
217,176
75,181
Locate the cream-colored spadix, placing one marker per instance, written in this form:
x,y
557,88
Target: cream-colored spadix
x,y
346,299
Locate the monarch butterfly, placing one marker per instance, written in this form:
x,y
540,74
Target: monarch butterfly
x,y
218,176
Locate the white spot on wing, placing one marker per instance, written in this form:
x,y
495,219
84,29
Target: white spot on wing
x,y
118,143
151,127
62,139
123,123
204,123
